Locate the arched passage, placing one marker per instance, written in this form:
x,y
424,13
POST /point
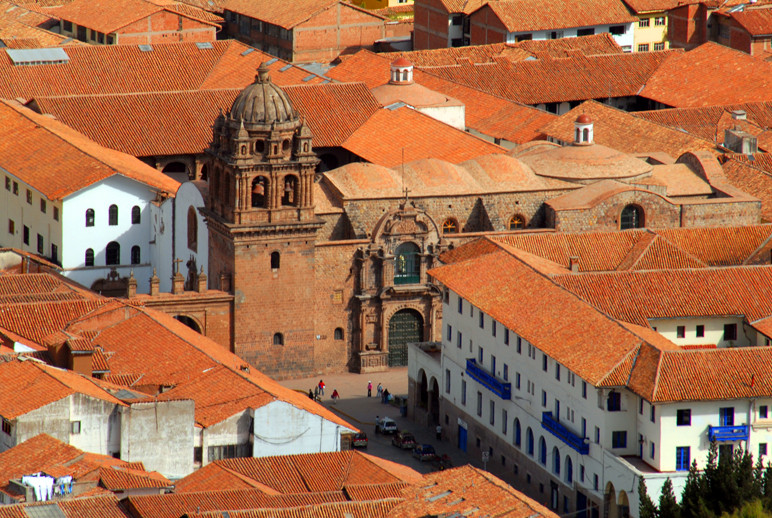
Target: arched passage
x,y
423,390
188,322
434,402
405,326
632,217
610,501
623,505
177,170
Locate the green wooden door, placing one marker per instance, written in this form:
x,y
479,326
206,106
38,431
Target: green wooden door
x,y
405,327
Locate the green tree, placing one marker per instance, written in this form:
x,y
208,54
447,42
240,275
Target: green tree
x,y
668,506
646,507
693,496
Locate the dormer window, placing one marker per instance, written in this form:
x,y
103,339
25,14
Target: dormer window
x,y
583,131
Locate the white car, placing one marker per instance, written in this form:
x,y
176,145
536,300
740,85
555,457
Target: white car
x,y
385,425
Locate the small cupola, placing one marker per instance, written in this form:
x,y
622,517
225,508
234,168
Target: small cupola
x,y
401,72
583,131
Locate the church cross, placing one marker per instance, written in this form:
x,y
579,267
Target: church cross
x,y
177,265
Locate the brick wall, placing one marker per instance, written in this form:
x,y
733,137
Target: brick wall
x,y
486,27
430,20
165,27
687,26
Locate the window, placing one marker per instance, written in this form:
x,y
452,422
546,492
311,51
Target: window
x,y
479,404
54,253
506,337
16,188
542,451
113,253
652,450
135,255
619,439
614,402
730,331
278,339
519,345
89,217
659,20
763,412
640,407
617,30
6,426
11,227
726,416
517,432
480,355
643,47
40,244
516,222
447,381
338,334
275,260
682,458
584,427
585,32
459,338
29,196
25,234
529,441
7,183
56,213
517,380
506,372
643,22
460,305
450,226
544,399
597,435
463,392
700,331
659,46
653,414
75,427
89,257
136,215
684,417
481,319
406,264
493,412
681,331
595,482
762,449
557,371
42,205
544,362
569,472
584,389
581,473
112,215
556,460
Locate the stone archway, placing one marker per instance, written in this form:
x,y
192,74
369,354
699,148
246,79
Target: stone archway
x,y
423,390
610,502
434,402
623,505
190,322
177,170
405,326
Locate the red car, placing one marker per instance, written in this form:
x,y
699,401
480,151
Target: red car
x,y
404,440
360,440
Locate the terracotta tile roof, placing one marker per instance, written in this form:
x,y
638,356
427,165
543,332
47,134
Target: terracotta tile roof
x,y
480,281
710,122
624,131
419,135
73,161
648,6
710,74
118,478
679,180
15,34
374,491
467,491
520,15
379,509
102,506
488,114
37,320
757,21
602,43
286,14
462,6
451,55
113,69
575,78
723,246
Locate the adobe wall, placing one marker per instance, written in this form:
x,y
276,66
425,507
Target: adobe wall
x,y
486,27
713,213
658,213
165,27
687,26
430,19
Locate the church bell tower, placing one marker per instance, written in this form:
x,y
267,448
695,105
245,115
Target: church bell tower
x,y
262,227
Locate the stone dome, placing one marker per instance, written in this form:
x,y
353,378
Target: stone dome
x,y
262,103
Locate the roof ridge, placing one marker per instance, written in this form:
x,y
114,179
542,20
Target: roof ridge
x,y
658,370
758,249
645,239
682,250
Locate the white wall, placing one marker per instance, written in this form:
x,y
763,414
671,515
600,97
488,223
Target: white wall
x,y
188,196
452,115
623,40
714,331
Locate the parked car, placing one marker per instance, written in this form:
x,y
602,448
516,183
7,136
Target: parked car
x,y
385,425
360,440
424,452
404,440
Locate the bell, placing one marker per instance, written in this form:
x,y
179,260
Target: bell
x,y
287,187
258,189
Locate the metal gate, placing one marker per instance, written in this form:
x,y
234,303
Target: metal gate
x,y
405,327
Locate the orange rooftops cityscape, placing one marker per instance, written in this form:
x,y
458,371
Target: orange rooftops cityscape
x,y
370,258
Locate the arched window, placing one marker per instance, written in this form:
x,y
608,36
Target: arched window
x,y
192,229
290,194
576,137
215,184
556,460
569,470
542,451
136,215
585,135
516,222
517,432
259,192
632,217
339,333
529,441
135,255
112,218
450,226
278,339
89,257
404,75
275,260
407,264
89,217
113,255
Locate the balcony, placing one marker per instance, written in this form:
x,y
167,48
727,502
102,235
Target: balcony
x,y
728,433
502,389
554,427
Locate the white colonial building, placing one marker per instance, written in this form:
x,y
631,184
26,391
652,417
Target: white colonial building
x,y
93,210
575,385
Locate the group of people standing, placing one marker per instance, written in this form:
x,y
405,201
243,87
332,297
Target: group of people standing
x,y
318,391
379,392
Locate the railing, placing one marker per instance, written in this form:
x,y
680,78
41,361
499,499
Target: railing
x,y
554,427
728,433
503,389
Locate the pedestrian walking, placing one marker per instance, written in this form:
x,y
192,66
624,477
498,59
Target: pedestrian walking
x,y
321,387
385,396
335,396
369,388
379,390
310,394
316,392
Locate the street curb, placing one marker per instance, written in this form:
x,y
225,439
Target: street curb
x,y
344,414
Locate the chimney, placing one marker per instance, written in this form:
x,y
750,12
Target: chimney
x,y
739,115
740,141
178,284
573,264
131,290
201,284
155,285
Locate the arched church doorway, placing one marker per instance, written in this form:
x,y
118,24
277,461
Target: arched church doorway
x,y
189,322
405,326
